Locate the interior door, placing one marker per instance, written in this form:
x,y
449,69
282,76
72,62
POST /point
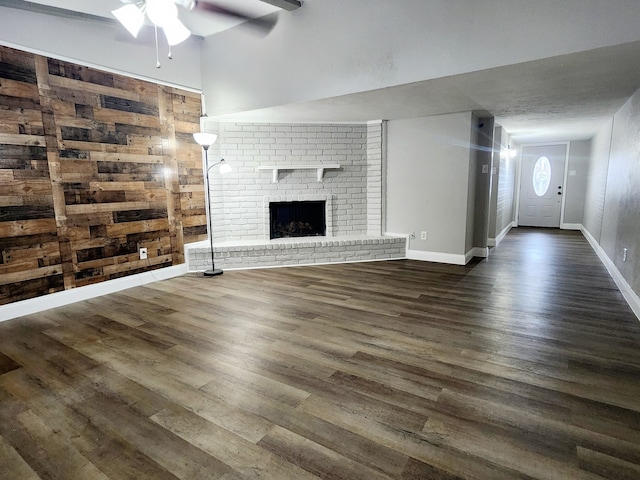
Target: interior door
x,y
541,185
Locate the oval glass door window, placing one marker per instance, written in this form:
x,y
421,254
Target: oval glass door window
x,y
541,176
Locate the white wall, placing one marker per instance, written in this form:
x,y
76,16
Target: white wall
x,y
578,167
621,217
612,205
597,180
472,184
99,45
335,47
427,180
503,187
478,217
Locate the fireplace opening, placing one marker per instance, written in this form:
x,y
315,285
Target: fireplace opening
x,y
297,219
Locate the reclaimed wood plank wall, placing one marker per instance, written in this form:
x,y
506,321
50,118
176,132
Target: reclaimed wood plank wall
x,y
93,166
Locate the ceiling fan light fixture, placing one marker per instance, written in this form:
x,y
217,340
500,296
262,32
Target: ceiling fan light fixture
x,y
176,32
161,12
131,17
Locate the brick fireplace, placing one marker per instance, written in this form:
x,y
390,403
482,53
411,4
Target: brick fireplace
x,y
351,189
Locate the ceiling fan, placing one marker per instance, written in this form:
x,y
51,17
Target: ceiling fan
x,y
164,14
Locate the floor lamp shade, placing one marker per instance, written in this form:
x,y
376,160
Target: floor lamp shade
x,y
205,139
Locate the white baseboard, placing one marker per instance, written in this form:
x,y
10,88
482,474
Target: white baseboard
x,y
494,242
627,292
571,226
437,257
66,297
482,252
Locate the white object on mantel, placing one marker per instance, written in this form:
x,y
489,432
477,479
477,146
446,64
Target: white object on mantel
x,y
275,169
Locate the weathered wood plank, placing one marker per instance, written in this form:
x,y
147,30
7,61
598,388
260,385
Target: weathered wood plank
x,y
24,189
26,212
127,105
27,227
20,139
17,72
7,277
84,148
106,207
125,157
12,88
55,172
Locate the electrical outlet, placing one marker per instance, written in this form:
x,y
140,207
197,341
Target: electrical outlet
x,y
143,253
423,235
624,254
413,235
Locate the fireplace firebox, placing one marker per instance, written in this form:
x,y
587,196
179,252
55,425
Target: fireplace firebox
x,y
297,219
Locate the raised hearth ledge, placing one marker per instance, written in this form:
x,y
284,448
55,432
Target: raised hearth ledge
x,y
280,252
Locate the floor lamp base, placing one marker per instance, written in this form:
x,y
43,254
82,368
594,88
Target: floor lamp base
x,y
213,273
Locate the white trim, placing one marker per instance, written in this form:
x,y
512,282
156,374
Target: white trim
x,y
565,180
437,257
494,242
571,226
516,181
627,292
66,297
482,252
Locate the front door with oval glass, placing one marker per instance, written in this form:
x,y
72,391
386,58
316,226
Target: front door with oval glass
x,y
541,185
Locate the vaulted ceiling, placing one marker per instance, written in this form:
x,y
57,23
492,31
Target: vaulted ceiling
x,y
567,97
557,98
198,23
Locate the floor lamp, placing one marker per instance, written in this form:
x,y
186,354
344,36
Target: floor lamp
x,y
205,140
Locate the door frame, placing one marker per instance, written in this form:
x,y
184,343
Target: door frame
x,y
565,176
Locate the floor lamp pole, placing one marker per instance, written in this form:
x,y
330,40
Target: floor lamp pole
x,y
213,272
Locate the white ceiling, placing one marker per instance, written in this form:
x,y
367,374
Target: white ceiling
x,y
568,97
560,98
199,23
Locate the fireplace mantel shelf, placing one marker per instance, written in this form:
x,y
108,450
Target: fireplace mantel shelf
x,y
275,169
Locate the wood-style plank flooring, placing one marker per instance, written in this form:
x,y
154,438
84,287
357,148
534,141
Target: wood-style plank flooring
x,y
525,365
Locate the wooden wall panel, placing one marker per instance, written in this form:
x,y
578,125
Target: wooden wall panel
x,y
192,200
93,166
30,261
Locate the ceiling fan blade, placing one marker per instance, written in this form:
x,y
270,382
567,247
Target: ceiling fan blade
x,y
264,24
284,4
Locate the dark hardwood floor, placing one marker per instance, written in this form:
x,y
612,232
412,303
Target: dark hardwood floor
x,y
525,365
